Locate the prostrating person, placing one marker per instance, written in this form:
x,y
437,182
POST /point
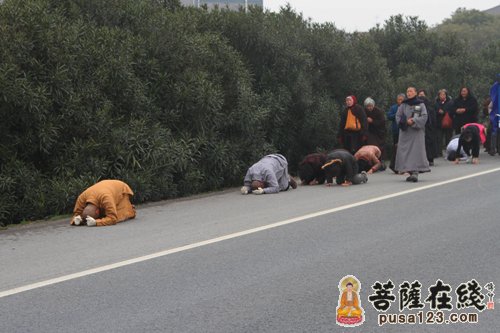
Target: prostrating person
x,y
341,165
368,158
105,203
268,175
310,172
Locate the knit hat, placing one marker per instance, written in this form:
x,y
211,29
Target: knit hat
x,y
354,99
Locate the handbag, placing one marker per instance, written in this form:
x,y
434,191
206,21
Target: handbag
x,y
446,122
352,123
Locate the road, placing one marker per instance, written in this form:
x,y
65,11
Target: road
x,y
230,263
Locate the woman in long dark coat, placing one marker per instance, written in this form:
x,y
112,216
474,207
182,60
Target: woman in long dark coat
x,y
442,107
353,126
465,109
376,125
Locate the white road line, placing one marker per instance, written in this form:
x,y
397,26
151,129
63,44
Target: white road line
x,y
230,236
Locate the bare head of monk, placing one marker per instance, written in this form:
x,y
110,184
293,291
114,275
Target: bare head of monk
x,y
90,210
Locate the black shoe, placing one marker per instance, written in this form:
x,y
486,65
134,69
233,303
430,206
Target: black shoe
x,y
412,178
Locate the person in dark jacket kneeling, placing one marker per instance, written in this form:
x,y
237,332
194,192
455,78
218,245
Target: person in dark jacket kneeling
x,y
343,166
310,171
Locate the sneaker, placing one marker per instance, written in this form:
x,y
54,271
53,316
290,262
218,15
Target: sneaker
x,y
431,163
292,183
365,175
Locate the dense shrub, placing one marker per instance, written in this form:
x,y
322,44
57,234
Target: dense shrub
x,y
177,101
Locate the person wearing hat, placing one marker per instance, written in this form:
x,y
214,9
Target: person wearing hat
x,y
105,203
341,165
353,125
269,175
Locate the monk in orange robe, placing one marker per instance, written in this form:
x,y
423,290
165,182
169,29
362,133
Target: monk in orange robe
x,y
105,203
349,303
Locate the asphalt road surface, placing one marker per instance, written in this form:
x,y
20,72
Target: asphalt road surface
x,y
230,263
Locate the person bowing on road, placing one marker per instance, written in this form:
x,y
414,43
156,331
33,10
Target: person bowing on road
x,y
269,175
105,203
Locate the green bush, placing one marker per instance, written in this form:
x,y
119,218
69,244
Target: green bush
x,y
176,101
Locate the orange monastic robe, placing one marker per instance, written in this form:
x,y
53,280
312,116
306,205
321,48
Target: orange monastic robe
x,y
347,306
113,199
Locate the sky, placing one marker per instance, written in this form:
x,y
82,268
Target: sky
x,y
361,15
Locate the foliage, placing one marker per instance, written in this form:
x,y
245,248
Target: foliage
x,y
176,101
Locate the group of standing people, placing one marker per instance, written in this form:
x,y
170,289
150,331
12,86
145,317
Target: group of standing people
x,y
367,126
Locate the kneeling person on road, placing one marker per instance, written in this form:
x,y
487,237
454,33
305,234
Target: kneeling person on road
x,y
269,175
343,166
368,158
310,171
470,139
105,203
451,150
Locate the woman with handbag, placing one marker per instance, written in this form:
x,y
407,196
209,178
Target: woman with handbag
x,y
444,123
353,126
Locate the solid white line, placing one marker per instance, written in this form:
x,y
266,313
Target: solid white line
x,y
230,236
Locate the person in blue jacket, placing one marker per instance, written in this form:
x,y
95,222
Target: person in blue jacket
x,y
495,117
391,115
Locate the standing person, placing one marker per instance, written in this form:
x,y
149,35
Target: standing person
x,y
269,175
444,121
494,112
411,117
105,203
376,126
353,125
430,127
485,120
464,110
391,115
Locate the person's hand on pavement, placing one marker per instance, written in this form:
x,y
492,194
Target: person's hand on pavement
x,y
91,221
